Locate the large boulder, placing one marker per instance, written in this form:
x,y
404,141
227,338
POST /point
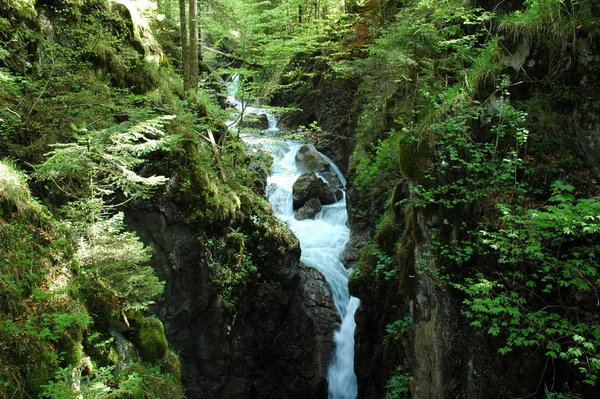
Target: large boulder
x,y
308,159
309,210
309,185
255,121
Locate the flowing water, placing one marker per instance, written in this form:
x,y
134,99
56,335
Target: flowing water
x,y
322,241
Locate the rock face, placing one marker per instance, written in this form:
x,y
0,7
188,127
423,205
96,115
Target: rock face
x,y
255,121
277,343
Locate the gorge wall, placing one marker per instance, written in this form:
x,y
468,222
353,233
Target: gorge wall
x,y
276,339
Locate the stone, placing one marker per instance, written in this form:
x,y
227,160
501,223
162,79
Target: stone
x,y
309,159
309,209
255,121
309,185
334,183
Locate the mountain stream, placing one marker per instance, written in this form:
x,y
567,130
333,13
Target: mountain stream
x,y
322,241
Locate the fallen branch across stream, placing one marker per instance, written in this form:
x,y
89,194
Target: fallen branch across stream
x,y
230,56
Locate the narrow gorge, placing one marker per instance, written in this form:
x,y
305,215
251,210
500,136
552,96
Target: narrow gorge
x,y
332,199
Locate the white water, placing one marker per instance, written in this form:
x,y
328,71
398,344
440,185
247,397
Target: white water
x,y
322,242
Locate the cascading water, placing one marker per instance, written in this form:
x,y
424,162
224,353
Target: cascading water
x,y
322,242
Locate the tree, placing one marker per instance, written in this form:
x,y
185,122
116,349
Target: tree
x,y
194,53
92,171
184,45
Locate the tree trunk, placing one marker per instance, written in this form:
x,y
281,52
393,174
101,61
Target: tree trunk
x,y
350,6
184,46
194,54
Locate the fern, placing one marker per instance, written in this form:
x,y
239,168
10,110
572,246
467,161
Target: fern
x,y
103,162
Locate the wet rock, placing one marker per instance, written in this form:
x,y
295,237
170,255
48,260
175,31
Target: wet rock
x,y
334,183
309,159
309,209
255,121
309,185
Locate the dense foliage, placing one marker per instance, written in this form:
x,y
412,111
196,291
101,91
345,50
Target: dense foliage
x,y
455,128
463,128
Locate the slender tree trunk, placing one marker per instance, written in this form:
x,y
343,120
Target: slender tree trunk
x,y
350,6
184,45
289,17
194,53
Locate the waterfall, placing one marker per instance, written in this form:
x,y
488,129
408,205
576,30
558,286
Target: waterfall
x,y
322,242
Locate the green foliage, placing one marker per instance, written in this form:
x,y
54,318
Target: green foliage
x,y
397,328
38,311
232,264
95,167
476,153
134,382
103,161
398,385
552,256
522,250
114,262
383,164
552,23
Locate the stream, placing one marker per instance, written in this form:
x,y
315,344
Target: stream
x,y
322,241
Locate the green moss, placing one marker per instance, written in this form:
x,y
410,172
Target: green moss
x,y
100,347
172,364
150,339
38,375
414,155
153,382
144,77
404,257
15,198
72,351
387,232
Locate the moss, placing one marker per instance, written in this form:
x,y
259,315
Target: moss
x,y
144,77
38,375
404,257
153,382
172,364
387,232
150,339
414,156
72,351
15,197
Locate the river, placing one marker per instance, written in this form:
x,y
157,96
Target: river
x,y
322,242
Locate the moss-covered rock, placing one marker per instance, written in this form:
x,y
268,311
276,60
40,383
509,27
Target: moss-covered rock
x,y
150,339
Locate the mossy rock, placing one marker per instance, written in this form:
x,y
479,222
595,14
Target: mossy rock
x,y
150,339
154,383
72,351
172,365
143,77
39,375
388,232
415,153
